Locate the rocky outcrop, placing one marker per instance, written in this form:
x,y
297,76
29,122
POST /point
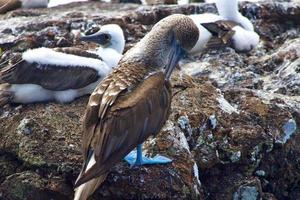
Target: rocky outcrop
x,y
234,128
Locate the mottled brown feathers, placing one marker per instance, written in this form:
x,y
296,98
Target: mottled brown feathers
x,y
5,95
78,52
105,94
222,32
134,116
154,50
180,26
134,101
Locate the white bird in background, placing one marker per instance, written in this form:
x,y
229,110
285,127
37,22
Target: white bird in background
x,y
229,28
61,74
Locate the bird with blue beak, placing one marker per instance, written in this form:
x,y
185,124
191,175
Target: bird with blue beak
x,y
61,74
133,102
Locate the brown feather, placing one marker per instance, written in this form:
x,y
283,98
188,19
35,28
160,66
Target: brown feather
x,y
77,52
134,101
89,188
124,124
50,77
8,5
5,95
222,32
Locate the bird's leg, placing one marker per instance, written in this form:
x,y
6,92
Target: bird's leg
x,y
139,155
137,158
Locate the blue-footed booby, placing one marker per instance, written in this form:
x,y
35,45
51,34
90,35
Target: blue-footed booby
x,y
61,74
8,5
133,102
229,28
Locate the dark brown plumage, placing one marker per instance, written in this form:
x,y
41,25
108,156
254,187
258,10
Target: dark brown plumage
x,y
8,5
56,78
222,32
5,96
78,52
134,101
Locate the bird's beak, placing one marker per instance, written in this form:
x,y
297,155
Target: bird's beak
x,y
176,54
99,37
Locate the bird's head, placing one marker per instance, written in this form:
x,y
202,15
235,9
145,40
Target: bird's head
x,y
181,35
168,41
109,36
178,29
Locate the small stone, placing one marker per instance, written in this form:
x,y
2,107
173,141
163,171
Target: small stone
x,y
63,42
236,156
183,122
45,130
4,115
19,108
25,127
289,129
246,193
213,121
260,173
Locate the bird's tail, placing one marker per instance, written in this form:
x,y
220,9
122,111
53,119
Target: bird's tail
x,y
85,190
6,96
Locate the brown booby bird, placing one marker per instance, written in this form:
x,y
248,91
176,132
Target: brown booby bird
x,y
133,102
61,74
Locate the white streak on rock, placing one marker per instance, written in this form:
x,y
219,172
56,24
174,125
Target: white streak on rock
x,y
226,106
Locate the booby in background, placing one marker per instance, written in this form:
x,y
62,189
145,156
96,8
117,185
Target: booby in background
x,y
61,74
229,28
133,102
8,5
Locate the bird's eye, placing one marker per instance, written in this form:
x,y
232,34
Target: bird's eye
x,y
107,37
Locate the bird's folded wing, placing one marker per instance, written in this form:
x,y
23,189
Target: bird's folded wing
x,y
50,76
127,122
222,31
77,52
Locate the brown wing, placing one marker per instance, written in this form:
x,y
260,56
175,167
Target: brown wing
x,y
222,32
134,116
52,77
77,52
8,5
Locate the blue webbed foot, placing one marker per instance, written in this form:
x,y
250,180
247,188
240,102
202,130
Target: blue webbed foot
x,y
131,158
135,157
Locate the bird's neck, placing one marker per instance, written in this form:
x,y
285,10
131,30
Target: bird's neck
x,y
119,46
154,54
228,9
110,56
245,22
